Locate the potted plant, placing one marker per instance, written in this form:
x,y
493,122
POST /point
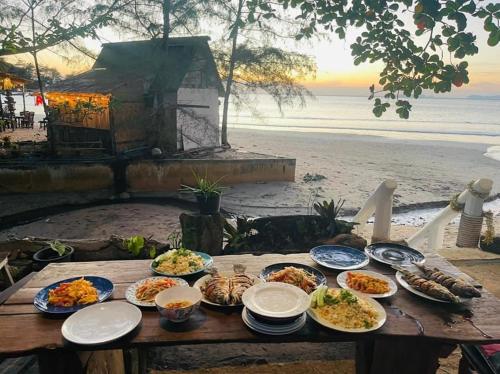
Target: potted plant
x,y
54,252
208,193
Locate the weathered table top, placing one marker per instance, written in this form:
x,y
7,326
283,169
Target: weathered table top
x,y
24,329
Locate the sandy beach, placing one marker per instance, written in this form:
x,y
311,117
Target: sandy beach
x,y
352,167
426,171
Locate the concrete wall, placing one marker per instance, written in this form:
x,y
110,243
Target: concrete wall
x,y
142,176
197,117
168,175
56,178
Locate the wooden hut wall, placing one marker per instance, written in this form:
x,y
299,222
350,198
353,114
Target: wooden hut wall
x,y
133,125
99,120
130,122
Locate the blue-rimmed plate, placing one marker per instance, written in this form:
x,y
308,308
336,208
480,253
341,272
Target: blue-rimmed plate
x,y
104,290
207,262
394,254
268,270
339,257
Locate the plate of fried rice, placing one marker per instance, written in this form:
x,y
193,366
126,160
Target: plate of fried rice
x,y
346,310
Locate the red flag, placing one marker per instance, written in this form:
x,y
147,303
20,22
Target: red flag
x,y
38,100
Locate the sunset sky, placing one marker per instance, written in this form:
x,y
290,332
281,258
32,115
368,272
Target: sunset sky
x,y
336,72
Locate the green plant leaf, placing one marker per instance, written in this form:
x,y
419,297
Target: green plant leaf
x,y
58,247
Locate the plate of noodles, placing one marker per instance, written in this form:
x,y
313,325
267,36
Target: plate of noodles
x,y
70,295
181,262
346,310
302,276
143,292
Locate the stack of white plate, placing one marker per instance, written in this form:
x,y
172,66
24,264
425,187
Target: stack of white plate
x,y
275,308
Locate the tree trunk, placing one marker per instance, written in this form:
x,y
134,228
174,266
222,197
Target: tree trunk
x,y
203,233
35,58
166,20
229,82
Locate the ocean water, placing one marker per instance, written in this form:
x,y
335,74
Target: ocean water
x,y
459,120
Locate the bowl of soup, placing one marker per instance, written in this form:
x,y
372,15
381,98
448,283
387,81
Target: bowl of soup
x,y
176,304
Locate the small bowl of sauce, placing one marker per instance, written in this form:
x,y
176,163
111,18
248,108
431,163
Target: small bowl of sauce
x,y
177,304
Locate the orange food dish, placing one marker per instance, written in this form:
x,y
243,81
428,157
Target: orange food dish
x,y
151,287
79,291
178,304
367,284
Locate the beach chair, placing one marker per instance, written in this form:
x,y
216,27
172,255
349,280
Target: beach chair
x,y
28,119
481,359
4,265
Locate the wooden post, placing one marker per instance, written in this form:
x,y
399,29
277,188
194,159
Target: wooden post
x,y
24,99
433,231
471,220
380,203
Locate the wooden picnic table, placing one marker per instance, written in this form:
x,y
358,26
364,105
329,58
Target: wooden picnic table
x,y
416,334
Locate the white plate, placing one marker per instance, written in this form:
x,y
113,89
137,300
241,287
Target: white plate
x,y
269,329
382,316
342,281
402,282
200,282
101,323
131,290
276,300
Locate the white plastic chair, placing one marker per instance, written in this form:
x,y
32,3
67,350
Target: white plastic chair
x,y
4,265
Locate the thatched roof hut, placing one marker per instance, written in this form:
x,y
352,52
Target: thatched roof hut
x,y
120,95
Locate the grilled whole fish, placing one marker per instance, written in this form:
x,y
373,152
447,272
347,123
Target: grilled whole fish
x,y
227,290
217,289
456,285
429,287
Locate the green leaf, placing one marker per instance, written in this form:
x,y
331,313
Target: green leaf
x,y
461,21
134,244
488,24
58,247
152,252
494,38
417,92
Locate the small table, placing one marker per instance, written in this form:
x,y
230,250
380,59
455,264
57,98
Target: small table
x,y
416,334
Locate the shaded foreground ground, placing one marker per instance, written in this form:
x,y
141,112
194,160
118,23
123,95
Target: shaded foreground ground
x,y
160,220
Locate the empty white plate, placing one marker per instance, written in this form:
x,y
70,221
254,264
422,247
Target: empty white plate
x,y
276,300
101,323
270,329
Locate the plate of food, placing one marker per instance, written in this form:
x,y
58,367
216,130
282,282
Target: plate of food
x,y
345,310
456,285
302,276
181,262
70,295
339,257
274,300
144,291
394,254
369,283
225,289
436,285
